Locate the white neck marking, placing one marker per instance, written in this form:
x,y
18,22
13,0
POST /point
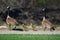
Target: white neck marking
x,y
43,18
8,16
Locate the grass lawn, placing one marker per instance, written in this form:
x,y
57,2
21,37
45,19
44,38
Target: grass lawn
x,y
29,37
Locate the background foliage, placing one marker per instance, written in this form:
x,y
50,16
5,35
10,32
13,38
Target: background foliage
x,y
31,10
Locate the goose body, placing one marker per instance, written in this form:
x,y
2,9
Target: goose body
x,y
47,24
9,20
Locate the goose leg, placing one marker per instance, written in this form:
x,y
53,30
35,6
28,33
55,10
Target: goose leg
x,y
45,28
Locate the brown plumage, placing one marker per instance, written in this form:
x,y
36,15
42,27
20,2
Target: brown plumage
x,y
47,24
11,21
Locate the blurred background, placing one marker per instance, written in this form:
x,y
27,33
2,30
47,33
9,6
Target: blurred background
x,y
30,11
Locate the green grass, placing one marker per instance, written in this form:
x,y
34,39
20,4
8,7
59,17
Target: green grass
x,y
29,37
